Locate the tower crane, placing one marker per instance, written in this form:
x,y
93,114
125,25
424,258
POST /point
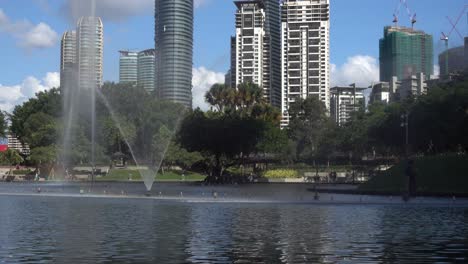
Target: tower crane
x,y
446,37
396,14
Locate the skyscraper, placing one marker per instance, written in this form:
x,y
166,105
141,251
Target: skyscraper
x,y
405,52
68,49
90,52
257,47
305,50
128,66
174,50
145,73
67,58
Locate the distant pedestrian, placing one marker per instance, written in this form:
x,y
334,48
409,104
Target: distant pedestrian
x,y
410,174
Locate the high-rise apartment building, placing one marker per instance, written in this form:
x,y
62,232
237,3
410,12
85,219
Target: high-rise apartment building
x,y
344,101
68,49
145,71
67,58
305,51
257,47
90,47
128,67
405,52
174,50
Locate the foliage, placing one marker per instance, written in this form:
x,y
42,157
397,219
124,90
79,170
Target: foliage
x,y
281,173
309,127
11,157
241,124
124,175
48,103
3,124
176,155
441,174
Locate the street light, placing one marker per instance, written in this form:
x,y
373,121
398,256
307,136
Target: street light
x,y
405,124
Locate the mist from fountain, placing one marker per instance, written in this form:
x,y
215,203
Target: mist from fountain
x,y
80,98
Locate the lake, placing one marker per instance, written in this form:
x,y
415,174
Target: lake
x,y
115,223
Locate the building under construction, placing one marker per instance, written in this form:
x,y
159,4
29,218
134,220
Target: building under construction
x,y
405,52
454,60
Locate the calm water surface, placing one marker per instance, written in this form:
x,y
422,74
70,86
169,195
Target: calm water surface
x,y
47,229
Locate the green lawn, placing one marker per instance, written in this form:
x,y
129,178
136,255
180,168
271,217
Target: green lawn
x,y
445,174
124,174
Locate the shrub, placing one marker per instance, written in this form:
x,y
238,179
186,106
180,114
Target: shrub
x,y
281,173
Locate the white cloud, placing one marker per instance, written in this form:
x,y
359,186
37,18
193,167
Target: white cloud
x,y
3,18
202,81
28,35
362,70
40,36
52,79
114,10
10,96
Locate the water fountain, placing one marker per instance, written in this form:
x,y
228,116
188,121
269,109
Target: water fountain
x,y
82,93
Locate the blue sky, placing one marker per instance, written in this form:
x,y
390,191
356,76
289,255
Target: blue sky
x,y
356,26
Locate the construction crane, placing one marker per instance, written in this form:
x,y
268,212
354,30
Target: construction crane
x,y
446,37
396,14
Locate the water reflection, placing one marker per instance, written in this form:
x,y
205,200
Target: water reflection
x,y
88,230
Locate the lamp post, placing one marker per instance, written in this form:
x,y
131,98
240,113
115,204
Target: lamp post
x,y
405,124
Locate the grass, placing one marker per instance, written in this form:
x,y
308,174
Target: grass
x,y
124,174
445,174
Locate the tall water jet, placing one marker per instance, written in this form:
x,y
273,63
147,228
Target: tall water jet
x,y
81,76
89,105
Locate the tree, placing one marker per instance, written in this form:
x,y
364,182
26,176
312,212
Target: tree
x,y
44,158
308,120
3,124
176,155
11,157
47,102
228,140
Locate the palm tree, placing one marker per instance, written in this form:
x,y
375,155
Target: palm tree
x,y
217,96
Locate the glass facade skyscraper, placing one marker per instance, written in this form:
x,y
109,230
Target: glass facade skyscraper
x,y
174,50
128,66
146,60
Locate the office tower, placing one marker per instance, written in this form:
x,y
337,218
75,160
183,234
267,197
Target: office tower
x,y
174,50
67,57
405,52
145,72
90,52
305,48
344,101
257,47
128,67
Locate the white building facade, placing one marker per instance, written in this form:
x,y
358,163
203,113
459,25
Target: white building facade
x,y
305,52
90,46
256,48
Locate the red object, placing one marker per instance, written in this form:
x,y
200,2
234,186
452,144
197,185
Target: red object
x,y
3,148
